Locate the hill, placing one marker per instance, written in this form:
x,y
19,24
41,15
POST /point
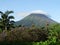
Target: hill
x,y
36,19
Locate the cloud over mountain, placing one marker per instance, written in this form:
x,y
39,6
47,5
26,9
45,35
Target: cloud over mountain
x,y
21,15
38,18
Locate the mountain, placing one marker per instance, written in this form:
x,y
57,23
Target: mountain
x,y
35,18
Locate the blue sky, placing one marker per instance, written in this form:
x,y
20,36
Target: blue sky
x,y
21,7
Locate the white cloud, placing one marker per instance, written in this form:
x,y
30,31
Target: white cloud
x,y
39,12
21,15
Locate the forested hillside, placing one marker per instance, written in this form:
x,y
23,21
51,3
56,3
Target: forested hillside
x,y
22,35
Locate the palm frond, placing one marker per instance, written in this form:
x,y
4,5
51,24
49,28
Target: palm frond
x,y
10,17
1,12
8,12
0,19
1,23
5,19
12,21
4,16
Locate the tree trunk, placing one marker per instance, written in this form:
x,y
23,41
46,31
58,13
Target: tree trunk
x,y
5,28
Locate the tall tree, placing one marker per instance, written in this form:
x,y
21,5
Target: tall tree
x,y
5,20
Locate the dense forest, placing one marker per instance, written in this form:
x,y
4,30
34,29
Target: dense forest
x,y
21,35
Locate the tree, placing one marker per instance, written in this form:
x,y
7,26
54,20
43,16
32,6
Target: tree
x,y
5,20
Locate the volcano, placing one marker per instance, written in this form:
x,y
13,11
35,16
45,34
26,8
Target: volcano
x,y
38,19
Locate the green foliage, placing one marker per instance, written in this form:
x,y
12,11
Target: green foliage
x,y
31,36
5,20
0,30
53,36
52,40
23,34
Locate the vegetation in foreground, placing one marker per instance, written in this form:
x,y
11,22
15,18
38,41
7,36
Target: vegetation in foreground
x,y
48,35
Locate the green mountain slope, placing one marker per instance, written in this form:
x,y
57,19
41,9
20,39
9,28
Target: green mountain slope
x,y
36,19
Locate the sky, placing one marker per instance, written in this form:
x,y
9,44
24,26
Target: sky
x,y
22,8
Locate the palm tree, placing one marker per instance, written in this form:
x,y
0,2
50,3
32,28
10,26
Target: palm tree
x,y
5,20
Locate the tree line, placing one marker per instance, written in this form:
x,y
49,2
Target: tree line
x,y
48,35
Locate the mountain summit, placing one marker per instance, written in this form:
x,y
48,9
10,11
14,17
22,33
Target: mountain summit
x,y
39,12
38,19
